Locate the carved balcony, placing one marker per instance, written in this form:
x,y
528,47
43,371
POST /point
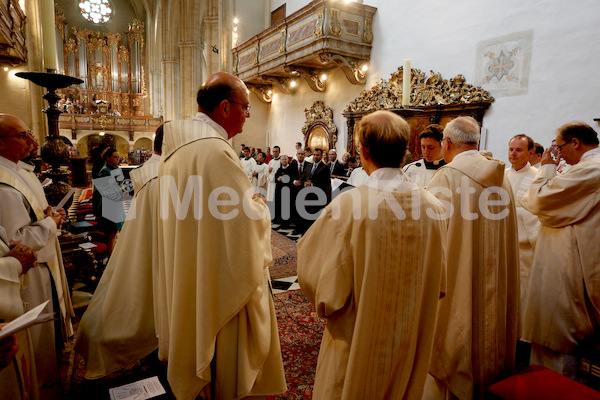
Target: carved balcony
x,y
13,50
323,35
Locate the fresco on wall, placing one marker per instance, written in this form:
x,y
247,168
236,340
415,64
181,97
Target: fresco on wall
x,y
503,64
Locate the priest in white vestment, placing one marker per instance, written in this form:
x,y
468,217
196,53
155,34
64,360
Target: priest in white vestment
x,y
562,299
217,327
274,165
260,175
18,378
422,171
520,175
373,266
27,217
114,333
478,320
248,162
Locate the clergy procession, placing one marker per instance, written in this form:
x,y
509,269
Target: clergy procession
x,y
439,278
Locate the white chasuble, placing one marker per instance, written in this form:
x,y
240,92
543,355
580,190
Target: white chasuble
x,y
477,326
217,328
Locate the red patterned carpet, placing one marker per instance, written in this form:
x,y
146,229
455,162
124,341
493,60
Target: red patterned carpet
x,y
300,331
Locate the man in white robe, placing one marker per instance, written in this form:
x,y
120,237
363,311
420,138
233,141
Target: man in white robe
x,y
114,333
217,327
248,162
562,299
274,165
520,175
377,280
422,171
477,325
260,175
17,364
27,217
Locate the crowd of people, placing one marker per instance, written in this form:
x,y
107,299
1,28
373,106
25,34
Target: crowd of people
x,y
433,277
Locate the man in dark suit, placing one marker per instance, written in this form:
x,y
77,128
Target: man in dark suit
x,y
321,180
336,168
304,169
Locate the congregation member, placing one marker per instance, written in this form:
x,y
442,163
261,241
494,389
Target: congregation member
x,y
260,175
274,165
297,147
536,157
336,168
304,171
370,266
18,379
268,154
319,184
284,186
520,175
478,319
217,328
422,171
109,210
242,150
248,162
308,154
113,333
27,218
562,298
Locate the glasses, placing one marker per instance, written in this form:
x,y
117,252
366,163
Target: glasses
x,y
562,145
246,107
22,135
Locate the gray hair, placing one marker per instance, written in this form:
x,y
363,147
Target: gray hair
x,y
463,130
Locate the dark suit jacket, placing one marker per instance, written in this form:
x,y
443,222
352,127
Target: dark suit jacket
x,y
321,179
338,169
305,175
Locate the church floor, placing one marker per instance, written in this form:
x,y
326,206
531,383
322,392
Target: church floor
x,y
300,331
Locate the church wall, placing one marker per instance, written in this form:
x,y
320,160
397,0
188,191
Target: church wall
x,y
435,36
15,95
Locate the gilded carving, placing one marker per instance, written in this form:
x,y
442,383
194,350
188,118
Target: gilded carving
x,y
255,58
282,40
334,23
426,92
318,31
135,102
263,92
368,31
350,67
319,112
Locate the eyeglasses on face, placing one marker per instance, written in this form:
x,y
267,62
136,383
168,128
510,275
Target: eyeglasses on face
x,y
564,144
22,135
246,107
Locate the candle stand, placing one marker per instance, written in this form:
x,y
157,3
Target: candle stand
x,y
54,151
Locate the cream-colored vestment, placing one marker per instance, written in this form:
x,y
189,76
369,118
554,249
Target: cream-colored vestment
x,y
419,173
18,380
562,299
274,164
372,265
217,327
117,328
477,326
527,223
248,164
259,182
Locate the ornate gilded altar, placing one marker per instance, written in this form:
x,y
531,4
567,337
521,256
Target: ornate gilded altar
x,y
433,100
319,130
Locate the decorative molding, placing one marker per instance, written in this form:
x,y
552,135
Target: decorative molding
x,y
263,92
320,114
350,66
318,32
310,75
425,92
334,23
282,40
368,31
282,83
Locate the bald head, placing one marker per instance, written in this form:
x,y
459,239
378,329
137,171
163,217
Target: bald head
x,y
225,99
14,138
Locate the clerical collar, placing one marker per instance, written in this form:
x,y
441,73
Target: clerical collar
x,y
277,158
595,152
526,168
200,116
247,158
259,162
436,164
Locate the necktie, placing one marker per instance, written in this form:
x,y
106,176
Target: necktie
x,y
300,169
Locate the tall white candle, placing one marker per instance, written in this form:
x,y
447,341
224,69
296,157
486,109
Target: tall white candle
x,y
48,34
406,82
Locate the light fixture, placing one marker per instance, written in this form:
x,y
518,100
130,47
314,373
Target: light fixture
x,y
293,84
234,33
236,21
364,68
101,133
270,92
323,77
5,69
